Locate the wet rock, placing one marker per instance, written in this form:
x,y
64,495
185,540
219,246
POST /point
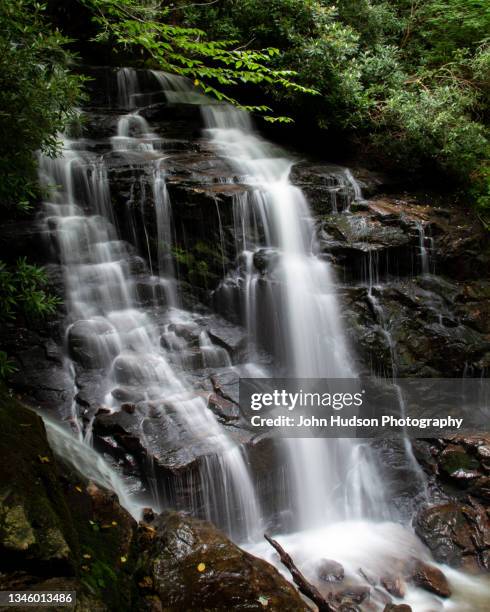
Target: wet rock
x,y
354,595
103,410
480,487
89,343
483,452
462,248
157,432
147,514
407,315
265,260
225,384
328,187
126,394
190,333
34,522
224,409
191,565
394,585
431,579
365,247
457,534
397,608
130,369
91,390
230,337
455,461
128,407
330,571
372,182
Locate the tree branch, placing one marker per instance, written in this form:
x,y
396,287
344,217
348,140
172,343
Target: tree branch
x,y
300,581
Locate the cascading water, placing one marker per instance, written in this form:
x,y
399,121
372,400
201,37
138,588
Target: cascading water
x,y
425,249
108,322
91,465
331,480
334,490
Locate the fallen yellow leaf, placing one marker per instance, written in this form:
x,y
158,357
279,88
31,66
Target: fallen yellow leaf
x,y
146,582
123,559
201,567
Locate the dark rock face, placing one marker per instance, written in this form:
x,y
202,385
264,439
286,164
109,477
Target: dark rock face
x,y
57,531
457,534
414,323
456,528
189,565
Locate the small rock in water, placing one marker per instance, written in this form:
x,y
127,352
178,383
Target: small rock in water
x,y
484,451
128,407
431,579
394,585
354,595
397,608
330,571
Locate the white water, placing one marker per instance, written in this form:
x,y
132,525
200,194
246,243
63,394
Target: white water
x,y
335,479
340,507
81,456
106,315
425,249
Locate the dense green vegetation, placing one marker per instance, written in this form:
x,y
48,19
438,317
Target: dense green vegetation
x,y
148,28
408,79
38,93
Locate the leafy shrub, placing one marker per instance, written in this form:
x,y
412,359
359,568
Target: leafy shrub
x,y
37,95
24,289
409,78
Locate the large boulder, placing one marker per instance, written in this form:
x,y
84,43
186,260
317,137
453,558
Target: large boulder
x,y
457,534
57,530
189,565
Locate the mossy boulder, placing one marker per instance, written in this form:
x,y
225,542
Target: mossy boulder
x,y
190,565
35,526
54,524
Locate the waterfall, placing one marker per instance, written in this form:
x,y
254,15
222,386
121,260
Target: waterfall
x,y
424,250
332,493
127,87
82,457
331,479
110,328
